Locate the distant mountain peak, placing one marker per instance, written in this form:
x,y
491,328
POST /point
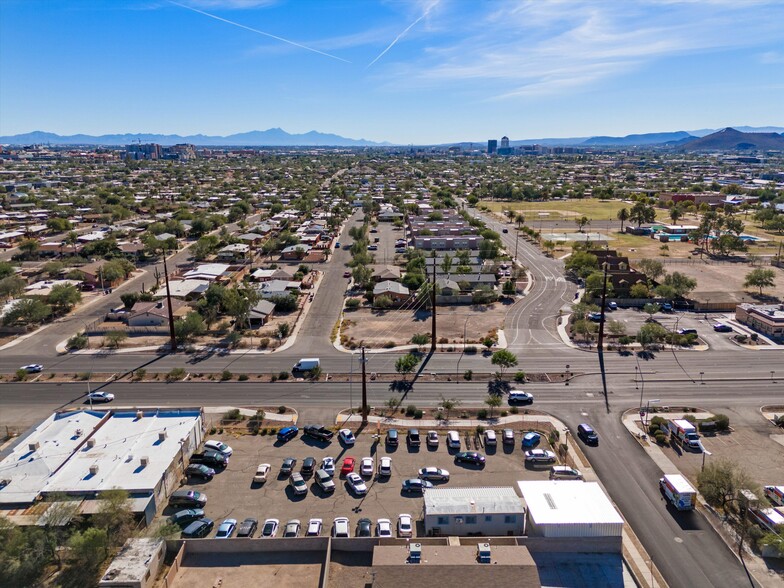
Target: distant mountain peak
x,y
729,139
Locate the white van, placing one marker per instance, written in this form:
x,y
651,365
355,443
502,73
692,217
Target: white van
x,y
306,364
453,440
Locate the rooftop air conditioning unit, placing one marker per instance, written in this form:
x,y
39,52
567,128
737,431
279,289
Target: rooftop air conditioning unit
x,y
162,436
484,553
139,414
415,553
34,446
93,469
145,461
91,442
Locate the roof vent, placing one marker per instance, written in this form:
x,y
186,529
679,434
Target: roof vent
x,y
145,461
415,553
93,469
78,433
162,436
139,414
34,446
484,553
91,442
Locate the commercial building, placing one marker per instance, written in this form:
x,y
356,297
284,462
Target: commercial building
x,y
767,319
137,564
570,508
492,146
492,511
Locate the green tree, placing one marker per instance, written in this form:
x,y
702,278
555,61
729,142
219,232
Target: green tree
x,y
493,401
113,339
114,515
6,269
584,328
283,331
642,212
651,334
721,480
581,222
11,287
616,328
406,364
675,214
582,263
59,225
680,283
188,328
29,247
593,285
420,339
504,359
63,297
650,309
623,216
449,404
446,264
760,278
89,548
652,268
639,290
27,311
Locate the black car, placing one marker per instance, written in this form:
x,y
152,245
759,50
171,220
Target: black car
x,y
247,528
392,437
473,457
318,432
197,529
288,466
364,528
308,466
198,470
210,458
412,438
186,517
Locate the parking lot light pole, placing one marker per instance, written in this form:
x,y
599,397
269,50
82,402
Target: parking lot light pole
x,y
704,453
648,408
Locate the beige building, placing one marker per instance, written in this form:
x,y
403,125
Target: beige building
x,y
766,319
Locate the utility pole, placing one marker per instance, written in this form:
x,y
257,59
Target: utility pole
x,y
601,339
433,305
173,344
364,389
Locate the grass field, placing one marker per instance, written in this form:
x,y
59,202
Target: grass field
x,y
593,208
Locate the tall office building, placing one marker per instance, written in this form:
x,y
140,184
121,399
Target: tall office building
x,y
504,149
504,142
492,146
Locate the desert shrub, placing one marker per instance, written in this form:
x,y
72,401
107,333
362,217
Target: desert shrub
x,y
418,414
281,409
470,349
443,341
283,376
232,415
274,378
212,430
225,375
83,376
660,436
353,303
519,376
514,410
20,375
504,413
410,410
468,375
389,345
722,422
482,413
264,343
263,431
78,341
243,377
139,374
175,375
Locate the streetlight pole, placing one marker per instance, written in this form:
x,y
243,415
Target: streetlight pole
x,y
648,408
704,453
462,351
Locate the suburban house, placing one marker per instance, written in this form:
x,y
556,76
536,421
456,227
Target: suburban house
x,y
92,275
234,252
156,314
261,313
396,291
277,288
295,252
208,271
382,273
280,273
185,289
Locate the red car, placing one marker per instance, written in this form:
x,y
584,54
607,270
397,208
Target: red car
x,y
348,466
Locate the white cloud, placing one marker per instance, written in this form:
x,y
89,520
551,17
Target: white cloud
x,y
772,57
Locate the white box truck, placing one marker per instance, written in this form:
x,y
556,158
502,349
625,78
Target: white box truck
x,y
685,432
678,491
775,494
306,364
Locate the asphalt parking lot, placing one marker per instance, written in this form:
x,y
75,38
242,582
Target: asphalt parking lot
x,y
232,493
673,321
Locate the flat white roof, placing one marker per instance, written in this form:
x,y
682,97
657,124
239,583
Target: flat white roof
x,y
679,483
439,501
567,502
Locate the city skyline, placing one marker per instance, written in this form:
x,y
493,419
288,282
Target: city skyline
x,y
405,72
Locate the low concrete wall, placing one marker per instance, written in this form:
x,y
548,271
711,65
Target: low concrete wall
x,y
240,546
571,544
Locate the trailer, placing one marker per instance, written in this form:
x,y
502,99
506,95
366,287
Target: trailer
x,y
678,491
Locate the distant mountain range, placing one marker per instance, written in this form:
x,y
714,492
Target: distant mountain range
x,y
730,138
270,138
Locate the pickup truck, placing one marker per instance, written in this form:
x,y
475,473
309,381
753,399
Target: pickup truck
x,y
318,432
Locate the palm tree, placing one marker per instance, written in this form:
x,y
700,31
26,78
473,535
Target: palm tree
x,y
520,220
623,216
675,214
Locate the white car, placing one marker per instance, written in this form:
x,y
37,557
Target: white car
x,y
432,438
100,397
346,436
314,528
366,467
292,528
328,465
434,474
490,438
270,528
385,467
356,483
340,527
219,446
226,529
33,368
539,456
261,473
404,526
384,528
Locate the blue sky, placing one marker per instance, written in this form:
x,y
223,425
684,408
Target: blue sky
x,y
405,71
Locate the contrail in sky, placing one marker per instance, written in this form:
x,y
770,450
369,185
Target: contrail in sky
x,y
236,24
403,34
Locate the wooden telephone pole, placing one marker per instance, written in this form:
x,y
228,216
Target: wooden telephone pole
x,y
364,389
173,344
433,306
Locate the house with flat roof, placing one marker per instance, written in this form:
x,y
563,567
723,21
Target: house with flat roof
x,y
488,511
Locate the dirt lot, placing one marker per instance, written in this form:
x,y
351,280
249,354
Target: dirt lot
x,y
378,328
233,495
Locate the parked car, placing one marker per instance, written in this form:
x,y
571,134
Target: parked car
x,y
666,307
366,467
220,446
314,528
186,517
563,472
612,305
199,470
261,473
504,230
412,438
308,466
340,527
722,328
364,528
356,484
384,528
288,466
346,274
226,529
539,456
328,465
318,432
391,438
287,433
595,316
210,458
385,467
33,368
197,529
432,438
405,527
416,485
247,528
346,436
292,528
490,438
100,397
531,439
298,484
453,440
348,466
507,437
473,457
188,499
325,481
270,528
434,474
